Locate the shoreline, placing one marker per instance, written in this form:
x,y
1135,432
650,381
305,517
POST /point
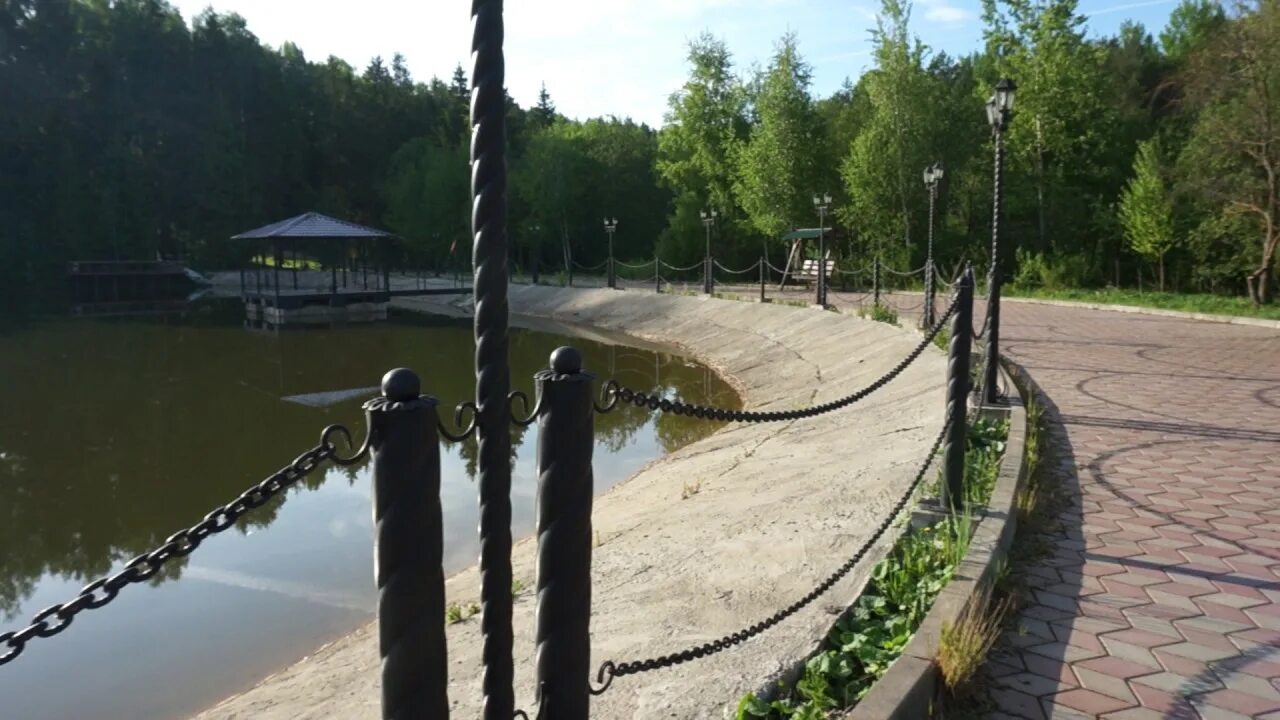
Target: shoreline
x,y
765,521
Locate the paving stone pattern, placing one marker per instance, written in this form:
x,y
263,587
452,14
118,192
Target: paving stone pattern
x,y
1162,598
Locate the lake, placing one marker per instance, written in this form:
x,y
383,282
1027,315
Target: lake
x,y
115,433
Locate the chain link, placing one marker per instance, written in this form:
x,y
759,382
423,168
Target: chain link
x,y
614,391
56,618
610,670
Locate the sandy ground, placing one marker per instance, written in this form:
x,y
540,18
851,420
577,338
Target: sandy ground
x,y
776,508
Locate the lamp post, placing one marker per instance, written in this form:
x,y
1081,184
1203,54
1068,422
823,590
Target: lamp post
x,y
999,110
932,176
610,227
822,203
708,220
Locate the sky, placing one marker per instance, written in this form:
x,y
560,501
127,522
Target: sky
x,y
624,57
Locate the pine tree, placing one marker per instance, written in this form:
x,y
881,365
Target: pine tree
x,y
544,113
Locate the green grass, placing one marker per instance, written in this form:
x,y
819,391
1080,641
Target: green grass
x,y
879,313
1185,302
902,588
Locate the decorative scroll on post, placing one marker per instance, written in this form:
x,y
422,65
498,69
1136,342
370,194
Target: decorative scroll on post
x,y
565,490
408,549
958,394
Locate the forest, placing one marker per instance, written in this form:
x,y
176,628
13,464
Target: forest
x,y
1146,159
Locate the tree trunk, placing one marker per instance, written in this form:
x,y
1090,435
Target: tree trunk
x,y
1044,243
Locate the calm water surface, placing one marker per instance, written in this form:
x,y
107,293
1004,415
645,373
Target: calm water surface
x,y
116,433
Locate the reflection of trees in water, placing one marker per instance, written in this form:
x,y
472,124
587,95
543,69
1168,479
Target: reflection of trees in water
x,y
122,433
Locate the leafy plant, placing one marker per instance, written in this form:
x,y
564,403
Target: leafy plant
x,y
902,588
880,313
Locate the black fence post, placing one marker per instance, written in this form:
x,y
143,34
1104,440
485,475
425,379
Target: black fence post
x,y
762,261
657,274
928,317
613,279
408,549
875,279
492,362
958,394
565,490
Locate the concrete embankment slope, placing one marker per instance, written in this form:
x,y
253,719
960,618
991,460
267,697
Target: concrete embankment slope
x,y
707,540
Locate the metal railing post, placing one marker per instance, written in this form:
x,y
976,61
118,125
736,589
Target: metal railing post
x,y
492,362
657,274
762,261
928,318
875,279
613,279
408,549
957,394
709,280
991,388
565,490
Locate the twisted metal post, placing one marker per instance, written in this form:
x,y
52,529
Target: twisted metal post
x,y
875,279
992,365
408,549
952,486
927,319
762,264
565,443
493,374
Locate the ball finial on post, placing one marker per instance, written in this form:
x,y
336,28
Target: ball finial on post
x,y
401,384
566,361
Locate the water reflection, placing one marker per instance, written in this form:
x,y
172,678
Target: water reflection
x,y
113,434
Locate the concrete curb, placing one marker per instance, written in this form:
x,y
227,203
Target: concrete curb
x,y
907,691
1137,310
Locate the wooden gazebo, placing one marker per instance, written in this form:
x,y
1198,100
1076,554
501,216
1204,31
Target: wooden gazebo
x,y
314,233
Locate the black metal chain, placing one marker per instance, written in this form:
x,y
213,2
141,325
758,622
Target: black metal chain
x,y
613,391
610,670
56,618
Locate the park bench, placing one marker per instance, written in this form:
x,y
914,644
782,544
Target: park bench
x,y
809,271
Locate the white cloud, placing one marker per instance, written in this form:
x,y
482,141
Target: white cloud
x,y
941,11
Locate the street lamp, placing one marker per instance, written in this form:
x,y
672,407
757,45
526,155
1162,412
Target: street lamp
x,y
999,111
822,203
932,177
610,227
708,221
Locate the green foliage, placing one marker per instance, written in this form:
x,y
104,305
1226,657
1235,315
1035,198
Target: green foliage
x,y
1038,271
902,588
1146,212
776,170
880,313
881,168
1191,24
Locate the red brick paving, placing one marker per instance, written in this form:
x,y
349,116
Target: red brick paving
x,y
1163,592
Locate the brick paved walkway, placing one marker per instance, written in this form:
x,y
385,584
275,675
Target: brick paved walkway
x,y
1163,597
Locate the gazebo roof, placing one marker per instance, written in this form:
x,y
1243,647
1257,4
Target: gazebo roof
x,y
803,234
312,225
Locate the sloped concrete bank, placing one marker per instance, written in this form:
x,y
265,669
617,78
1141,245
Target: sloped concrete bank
x,y
707,540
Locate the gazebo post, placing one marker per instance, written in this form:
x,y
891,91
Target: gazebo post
x,y
346,260
295,268
275,270
386,264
